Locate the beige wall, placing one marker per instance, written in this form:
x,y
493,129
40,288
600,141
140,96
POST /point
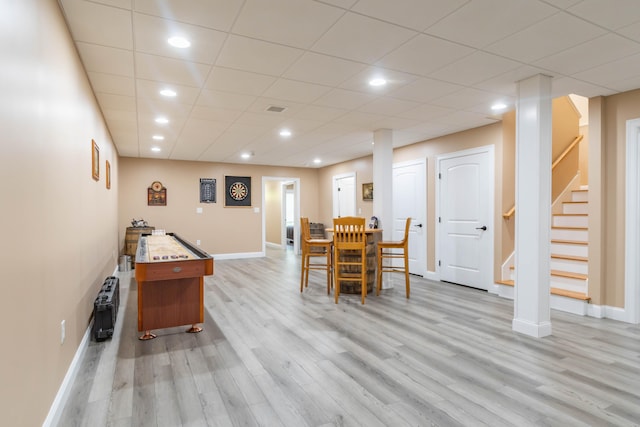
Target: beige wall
x,y
478,137
617,110
59,225
362,167
220,229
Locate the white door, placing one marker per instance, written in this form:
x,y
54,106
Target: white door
x,y
344,195
409,200
466,217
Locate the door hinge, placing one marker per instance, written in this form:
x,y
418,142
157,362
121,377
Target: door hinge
x,y
439,219
439,263
439,175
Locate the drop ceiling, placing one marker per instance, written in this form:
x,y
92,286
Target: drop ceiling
x,y
446,62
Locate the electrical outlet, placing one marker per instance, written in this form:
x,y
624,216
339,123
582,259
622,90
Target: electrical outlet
x,y
62,331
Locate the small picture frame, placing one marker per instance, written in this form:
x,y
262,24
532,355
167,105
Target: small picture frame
x,y
207,190
95,161
107,170
367,191
237,191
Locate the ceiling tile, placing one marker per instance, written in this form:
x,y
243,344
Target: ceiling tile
x,y
215,113
465,99
361,39
107,60
116,102
505,84
316,112
415,14
427,112
344,99
475,68
388,106
228,80
247,54
291,90
607,48
219,99
216,14
152,33
482,22
111,83
151,90
566,85
425,89
297,23
322,69
92,23
611,15
424,54
261,104
395,80
632,31
170,70
550,36
609,74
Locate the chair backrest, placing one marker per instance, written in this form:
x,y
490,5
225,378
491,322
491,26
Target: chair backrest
x,y
348,232
406,230
305,230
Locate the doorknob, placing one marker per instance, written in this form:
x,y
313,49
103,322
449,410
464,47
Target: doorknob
x,y
419,225
483,228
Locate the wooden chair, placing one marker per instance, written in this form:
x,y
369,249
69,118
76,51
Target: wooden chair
x,y
394,250
350,266
314,248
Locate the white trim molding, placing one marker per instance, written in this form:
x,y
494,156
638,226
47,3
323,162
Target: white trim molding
x,y
632,215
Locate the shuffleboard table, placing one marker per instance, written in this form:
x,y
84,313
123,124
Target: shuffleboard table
x,y
170,274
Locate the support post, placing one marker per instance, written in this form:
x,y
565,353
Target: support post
x,y
532,314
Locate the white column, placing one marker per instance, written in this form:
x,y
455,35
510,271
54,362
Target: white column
x,y
382,188
533,207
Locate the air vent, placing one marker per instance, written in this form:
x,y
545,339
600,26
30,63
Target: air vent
x,y
276,109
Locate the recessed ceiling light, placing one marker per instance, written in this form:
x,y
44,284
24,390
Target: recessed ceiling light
x,y
245,155
498,106
317,161
156,149
285,132
378,81
168,92
162,120
179,42
158,137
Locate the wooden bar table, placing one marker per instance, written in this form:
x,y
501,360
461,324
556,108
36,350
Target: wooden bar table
x,y
170,274
373,235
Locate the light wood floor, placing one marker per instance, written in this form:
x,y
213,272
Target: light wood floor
x,y
272,356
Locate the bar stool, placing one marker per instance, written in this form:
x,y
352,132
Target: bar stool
x,y
348,239
394,250
308,246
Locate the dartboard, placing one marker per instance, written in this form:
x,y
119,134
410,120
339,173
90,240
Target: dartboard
x,y
238,191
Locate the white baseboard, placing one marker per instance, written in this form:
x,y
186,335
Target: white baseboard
x,y
432,275
55,411
616,313
273,245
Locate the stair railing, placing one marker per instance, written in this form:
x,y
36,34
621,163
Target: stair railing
x,y
508,214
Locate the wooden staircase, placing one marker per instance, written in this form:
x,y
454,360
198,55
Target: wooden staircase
x,y
569,256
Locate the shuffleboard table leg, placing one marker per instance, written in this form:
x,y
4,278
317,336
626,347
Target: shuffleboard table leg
x,y
147,336
194,329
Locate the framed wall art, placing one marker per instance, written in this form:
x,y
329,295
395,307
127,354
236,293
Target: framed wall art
x,y
237,191
367,191
95,161
107,171
156,194
207,190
